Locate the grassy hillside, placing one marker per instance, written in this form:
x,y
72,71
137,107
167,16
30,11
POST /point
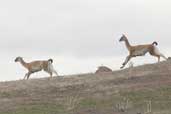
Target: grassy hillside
x,y
143,89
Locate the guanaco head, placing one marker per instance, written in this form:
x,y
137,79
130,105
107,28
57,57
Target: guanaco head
x,y
123,38
18,59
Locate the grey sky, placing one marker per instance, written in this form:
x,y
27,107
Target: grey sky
x,y
79,34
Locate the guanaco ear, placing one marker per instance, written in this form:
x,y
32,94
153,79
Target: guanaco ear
x,y
123,35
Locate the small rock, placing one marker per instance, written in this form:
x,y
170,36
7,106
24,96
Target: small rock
x,y
103,69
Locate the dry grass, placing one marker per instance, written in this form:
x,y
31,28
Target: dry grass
x,y
134,90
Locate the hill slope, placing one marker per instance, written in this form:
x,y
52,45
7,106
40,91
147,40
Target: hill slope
x,y
141,89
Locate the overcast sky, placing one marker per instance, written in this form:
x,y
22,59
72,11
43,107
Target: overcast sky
x,y
79,34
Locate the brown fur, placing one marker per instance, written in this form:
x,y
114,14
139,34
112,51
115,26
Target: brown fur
x,y
36,66
140,50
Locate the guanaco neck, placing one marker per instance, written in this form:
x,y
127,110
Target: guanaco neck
x,y
23,63
128,46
